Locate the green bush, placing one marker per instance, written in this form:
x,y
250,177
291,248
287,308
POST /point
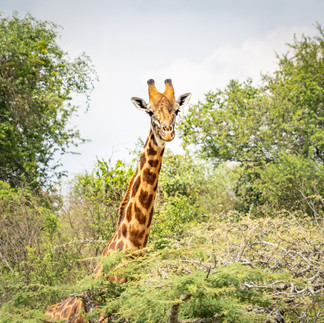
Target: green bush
x,y
225,268
188,189
92,205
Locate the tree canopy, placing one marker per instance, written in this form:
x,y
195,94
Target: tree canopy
x,y
277,125
37,80
244,122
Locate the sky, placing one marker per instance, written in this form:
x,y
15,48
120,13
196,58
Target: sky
x,y
200,44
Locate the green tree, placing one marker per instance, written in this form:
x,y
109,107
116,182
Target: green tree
x,y
94,199
178,194
262,127
188,190
37,80
249,123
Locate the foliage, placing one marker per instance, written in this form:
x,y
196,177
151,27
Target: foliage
x,y
248,123
23,217
227,126
188,189
36,84
30,230
44,242
199,296
93,202
290,183
222,270
217,195
261,127
297,88
178,194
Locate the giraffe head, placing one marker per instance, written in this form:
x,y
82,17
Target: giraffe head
x,y
162,108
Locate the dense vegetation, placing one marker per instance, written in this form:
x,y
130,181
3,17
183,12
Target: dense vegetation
x,y
36,84
275,131
237,234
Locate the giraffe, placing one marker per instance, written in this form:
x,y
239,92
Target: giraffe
x,y
136,209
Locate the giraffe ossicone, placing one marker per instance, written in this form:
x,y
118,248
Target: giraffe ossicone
x,y
136,209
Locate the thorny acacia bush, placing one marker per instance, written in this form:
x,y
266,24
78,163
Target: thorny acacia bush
x,y
29,232
32,249
231,270
225,269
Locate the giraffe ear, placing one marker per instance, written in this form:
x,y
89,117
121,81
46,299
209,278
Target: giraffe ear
x,y
183,99
139,103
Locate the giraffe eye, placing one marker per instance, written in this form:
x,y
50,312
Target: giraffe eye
x,y
177,111
150,113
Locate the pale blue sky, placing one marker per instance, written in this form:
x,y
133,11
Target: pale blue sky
x,y
199,44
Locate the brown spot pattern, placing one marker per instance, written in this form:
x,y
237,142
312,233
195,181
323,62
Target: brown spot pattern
x,y
141,218
145,199
121,215
142,160
149,176
129,212
153,139
136,185
153,162
124,203
151,151
136,236
124,229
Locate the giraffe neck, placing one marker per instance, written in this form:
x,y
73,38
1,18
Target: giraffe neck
x,y
135,216
136,210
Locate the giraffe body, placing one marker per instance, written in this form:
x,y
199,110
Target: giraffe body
x,y
136,209
67,309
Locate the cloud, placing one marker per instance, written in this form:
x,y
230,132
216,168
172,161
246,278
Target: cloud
x,y
229,61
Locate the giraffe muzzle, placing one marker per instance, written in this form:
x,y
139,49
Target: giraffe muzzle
x,y
167,132
167,135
